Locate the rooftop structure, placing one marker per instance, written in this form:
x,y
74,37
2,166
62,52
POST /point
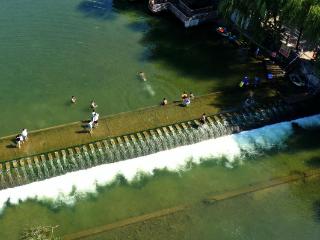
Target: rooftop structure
x,y
191,13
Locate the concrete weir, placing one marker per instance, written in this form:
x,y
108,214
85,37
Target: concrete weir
x,y
57,159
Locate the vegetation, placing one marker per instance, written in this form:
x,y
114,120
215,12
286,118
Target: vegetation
x,y
268,16
39,233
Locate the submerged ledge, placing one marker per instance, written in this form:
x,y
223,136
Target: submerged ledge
x,y
68,148
71,134
215,199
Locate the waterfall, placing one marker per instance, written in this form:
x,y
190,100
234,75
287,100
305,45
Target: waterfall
x,y
231,147
120,148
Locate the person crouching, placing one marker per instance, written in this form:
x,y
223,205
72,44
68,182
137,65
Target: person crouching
x,y
19,140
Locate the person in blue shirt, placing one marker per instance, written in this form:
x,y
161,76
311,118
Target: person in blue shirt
x,y
246,81
256,81
269,76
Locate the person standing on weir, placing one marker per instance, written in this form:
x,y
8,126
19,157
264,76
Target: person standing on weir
x,y
164,102
184,95
95,119
19,140
24,134
93,114
186,102
256,81
90,127
203,118
257,52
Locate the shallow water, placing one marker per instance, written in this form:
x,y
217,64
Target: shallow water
x,y
51,50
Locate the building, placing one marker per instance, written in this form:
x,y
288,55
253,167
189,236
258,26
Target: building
x,y
190,12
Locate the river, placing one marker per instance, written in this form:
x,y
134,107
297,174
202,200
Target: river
x,y
93,50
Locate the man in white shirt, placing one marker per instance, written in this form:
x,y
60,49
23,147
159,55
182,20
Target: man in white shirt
x,y
95,119
24,134
93,114
90,126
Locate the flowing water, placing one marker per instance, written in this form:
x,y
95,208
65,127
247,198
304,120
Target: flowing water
x,y
51,50
185,175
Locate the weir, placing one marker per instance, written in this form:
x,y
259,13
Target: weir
x,y
45,165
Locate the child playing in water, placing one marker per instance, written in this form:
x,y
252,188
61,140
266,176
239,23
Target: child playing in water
x,y
93,104
73,99
142,75
164,102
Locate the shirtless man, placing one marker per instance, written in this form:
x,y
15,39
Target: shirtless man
x,y
93,104
142,75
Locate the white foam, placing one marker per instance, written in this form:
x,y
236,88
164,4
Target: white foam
x,y
229,147
147,87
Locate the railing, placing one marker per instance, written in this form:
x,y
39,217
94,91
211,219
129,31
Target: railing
x,y
187,15
189,11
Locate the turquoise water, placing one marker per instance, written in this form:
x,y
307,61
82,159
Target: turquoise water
x,y
51,50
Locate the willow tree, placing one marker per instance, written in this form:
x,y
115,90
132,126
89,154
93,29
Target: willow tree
x,y
262,14
305,16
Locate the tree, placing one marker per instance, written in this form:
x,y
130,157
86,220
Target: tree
x,y
305,16
264,16
271,15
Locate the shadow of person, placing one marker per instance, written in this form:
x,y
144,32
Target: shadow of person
x,y
82,131
12,145
84,128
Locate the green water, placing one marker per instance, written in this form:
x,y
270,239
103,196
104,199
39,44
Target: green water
x,y
53,49
286,212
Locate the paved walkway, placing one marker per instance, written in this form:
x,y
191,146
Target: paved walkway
x,y
72,134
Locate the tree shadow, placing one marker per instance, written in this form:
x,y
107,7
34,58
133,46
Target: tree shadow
x,y
314,162
305,139
198,52
316,208
100,9
108,9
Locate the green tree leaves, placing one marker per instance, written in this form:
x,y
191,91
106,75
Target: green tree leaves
x,y
304,15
